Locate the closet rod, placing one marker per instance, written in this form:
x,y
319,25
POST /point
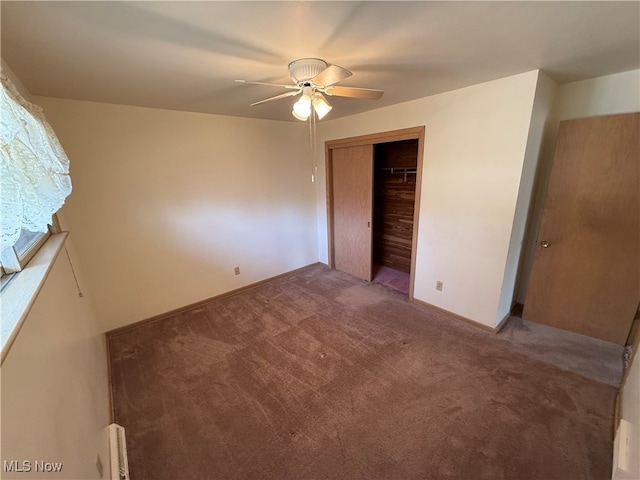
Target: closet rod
x,y
399,170
403,171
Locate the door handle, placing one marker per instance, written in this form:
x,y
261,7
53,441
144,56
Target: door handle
x,y
544,244
368,224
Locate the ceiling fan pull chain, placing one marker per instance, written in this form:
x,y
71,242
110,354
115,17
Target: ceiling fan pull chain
x,y
315,150
312,146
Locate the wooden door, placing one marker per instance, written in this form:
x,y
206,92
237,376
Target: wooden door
x,y
352,192
586,272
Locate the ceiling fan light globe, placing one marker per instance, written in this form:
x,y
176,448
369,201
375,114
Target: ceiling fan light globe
x,y
299,117
302,108
321,106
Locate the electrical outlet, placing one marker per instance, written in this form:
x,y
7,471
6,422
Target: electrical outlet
x,y
236,270
439,285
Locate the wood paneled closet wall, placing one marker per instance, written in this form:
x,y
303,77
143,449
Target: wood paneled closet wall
x,y
394,195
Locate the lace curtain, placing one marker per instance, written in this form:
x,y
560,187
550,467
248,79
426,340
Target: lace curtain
x,y
34,173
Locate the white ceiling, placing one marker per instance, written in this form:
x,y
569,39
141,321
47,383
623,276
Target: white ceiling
x,y
186,55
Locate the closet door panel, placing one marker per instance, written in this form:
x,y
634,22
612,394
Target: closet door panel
x,y
352,180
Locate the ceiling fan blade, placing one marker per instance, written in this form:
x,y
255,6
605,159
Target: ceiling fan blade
x,y
269,84
353,92
282,95
330,75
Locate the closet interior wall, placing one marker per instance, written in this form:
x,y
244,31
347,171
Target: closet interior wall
x,y
395,165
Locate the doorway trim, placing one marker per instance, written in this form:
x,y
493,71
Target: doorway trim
x,y
412,133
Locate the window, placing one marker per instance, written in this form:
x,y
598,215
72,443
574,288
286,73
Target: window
x,y
34,180
14,259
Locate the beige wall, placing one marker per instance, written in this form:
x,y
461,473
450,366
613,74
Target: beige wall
x,y
165,204
540,128
619,93
475,144
55,397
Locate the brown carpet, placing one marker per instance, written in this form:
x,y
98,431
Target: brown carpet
x,y
317,375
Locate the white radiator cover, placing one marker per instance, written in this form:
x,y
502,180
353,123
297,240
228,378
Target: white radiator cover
x,y
118,453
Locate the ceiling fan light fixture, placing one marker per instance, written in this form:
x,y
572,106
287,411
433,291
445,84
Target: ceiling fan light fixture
x,y
302,108
313,79
299,117
320,105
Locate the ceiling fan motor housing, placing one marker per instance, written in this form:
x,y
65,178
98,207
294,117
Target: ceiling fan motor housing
x,y
304,69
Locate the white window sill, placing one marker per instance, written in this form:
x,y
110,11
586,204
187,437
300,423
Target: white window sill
x,y
18,297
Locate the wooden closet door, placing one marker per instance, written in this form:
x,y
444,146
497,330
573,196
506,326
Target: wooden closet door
x,y
586,271
352,180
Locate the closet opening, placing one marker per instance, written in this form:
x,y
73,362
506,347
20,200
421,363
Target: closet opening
x,y
394,197
373,203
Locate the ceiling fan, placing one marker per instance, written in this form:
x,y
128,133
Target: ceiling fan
x,y
314,78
